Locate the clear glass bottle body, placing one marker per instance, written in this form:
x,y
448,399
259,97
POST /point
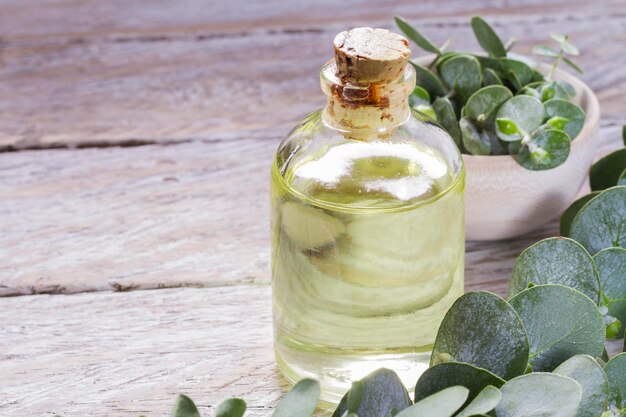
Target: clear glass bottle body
x,y
367,228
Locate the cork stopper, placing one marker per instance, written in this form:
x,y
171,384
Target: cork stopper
x,y
366,55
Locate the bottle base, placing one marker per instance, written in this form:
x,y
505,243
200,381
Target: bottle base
x,y
336,372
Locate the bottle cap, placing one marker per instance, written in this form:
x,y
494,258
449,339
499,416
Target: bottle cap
x,y
367,55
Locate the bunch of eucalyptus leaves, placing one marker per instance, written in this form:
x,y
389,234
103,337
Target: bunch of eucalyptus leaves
x,y
499,104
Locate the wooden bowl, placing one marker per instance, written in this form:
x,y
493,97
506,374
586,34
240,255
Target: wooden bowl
x,y
504,200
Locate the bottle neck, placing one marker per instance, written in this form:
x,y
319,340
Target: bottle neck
x,y
365,111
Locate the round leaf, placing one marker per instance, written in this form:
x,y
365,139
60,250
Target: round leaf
x,y
526,112
449,374
518,70
479,327
185,407
546,149
463,74
491,78
567,110
483,103
539,395
419,96
590,376
606,172
615,371
601,223
487,37
556,260
300,401
611,266
561,322
382,391
485,401
557,89
429,81
447,118
441,404
234,407
475,141
568,215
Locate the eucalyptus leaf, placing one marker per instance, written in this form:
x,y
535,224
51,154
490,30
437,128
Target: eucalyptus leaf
x,y
546,149
526,112
419,96
481,326
484,103
606,172
568,215
539,395
544,50
234,407
427,110
463,74
602,221
611,266
590,376
475,141
441,404
300,401
561,322
184,407
557,89
566,109
556,260
382,391
449,374
429,81
491,78
572,64
615,371
485,401
522,71
413,34
446,116
487,37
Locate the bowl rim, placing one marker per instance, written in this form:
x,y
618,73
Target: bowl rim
x,y
589,103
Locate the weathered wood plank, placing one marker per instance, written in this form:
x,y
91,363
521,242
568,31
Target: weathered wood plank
x,y
103,82
129,354
160,216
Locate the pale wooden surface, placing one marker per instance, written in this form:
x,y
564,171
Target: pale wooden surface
x,y
208,90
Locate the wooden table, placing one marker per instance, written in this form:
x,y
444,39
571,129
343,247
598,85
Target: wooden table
x,y
136,141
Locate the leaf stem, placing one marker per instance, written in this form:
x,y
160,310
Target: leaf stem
x,y
555,63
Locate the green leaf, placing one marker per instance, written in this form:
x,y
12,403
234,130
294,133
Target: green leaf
x,y
413,34
462,73
615,371
441,404
475,141
606,172
556,260
557,123
522,71
429,81
558,37
570,49
561,322
590,376
546,149
572,64
382,391
185,407
624,134
611,266
234,407
568,215
530,92
485,401
539,395
300,401
574,115
557,89
601,223
446,116
419,96
485,102
491,78
544,50
622,178
481,326
449,374
526,112
427,110
355,396
487,37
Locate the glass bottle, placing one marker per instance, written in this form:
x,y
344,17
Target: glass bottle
x,y
367,223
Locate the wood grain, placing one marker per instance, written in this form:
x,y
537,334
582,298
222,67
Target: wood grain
x,y
129,354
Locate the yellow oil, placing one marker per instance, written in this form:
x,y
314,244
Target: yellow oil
x,y
368,251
